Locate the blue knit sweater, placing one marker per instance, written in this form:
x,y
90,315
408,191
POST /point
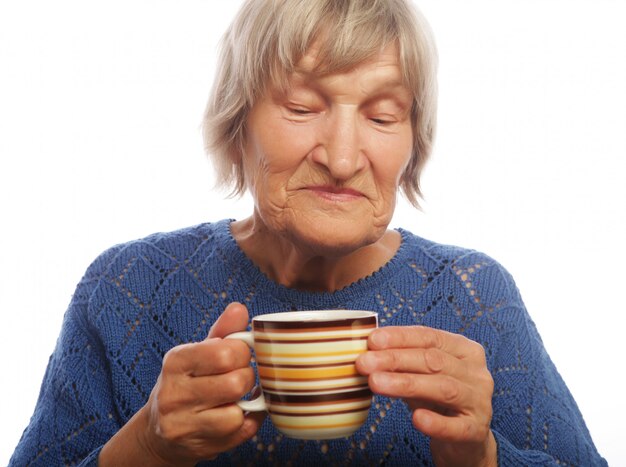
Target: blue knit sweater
x,y
138,300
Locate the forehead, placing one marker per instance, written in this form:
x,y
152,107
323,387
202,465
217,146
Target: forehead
x,y
381,69
316,60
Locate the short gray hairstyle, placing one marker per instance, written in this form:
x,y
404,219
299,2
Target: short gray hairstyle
x,y
266,40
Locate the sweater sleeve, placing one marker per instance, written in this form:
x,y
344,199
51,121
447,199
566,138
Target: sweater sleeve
x,y
75,414
536,421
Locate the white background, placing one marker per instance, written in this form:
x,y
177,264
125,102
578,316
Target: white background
x,y
100,107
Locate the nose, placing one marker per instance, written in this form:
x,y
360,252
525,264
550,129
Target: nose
x,y
341,150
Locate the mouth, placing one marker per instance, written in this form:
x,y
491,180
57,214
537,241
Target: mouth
x,y
335,193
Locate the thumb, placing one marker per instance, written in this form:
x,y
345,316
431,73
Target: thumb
x,y
233,319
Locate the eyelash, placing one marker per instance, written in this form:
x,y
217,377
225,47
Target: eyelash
x,y
299,111
381,121
304,112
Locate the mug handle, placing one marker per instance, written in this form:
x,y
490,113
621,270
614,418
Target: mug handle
x,y
258,404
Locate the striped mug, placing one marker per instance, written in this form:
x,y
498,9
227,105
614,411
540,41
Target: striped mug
x,y
305,361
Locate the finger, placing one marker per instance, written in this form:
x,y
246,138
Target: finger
x,y
442,390
227,421
403,337
209,357
216,422
247,430
211,391
191,394
449,429
206,434
420,361
233,319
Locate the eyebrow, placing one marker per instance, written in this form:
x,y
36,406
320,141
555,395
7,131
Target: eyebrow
x,y
309,78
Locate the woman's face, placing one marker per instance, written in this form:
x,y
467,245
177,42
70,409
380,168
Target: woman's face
x,y
323,159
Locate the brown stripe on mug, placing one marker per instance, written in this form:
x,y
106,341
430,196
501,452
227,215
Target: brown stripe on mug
x,y
317,404
355,323
305,361
317,414
310,380
321,365
277,391
324,398
286,340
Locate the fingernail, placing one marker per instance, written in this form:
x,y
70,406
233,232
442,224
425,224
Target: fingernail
x,y
379,339
378,379
368,360
422,419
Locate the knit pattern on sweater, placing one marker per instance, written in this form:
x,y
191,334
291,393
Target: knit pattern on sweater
x,y
140,299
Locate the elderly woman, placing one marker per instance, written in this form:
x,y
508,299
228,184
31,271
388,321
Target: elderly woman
x,y
323,110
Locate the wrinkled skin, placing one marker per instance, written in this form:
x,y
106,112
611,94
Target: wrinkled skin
x,y
190,414
444,379
323,162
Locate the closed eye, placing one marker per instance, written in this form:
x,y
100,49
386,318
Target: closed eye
x,y
299,110
381,121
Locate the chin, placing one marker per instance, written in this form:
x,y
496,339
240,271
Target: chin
x,y
334,237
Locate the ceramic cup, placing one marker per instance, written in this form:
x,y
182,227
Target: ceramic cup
x,y
305,361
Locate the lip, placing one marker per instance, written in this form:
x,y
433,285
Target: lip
x,y
335,193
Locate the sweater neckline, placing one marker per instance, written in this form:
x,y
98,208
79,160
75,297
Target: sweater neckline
x,y
250,273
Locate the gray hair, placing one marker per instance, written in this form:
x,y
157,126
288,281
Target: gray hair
x,y
266,40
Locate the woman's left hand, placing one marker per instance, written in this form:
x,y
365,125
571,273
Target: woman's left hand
x,y
444,379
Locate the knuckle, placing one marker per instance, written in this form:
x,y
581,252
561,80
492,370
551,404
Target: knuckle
x,y
223,356
488,381
171,359
484,380
237,417
411,384
170,403
438,340
240,382
231,420
449,389
478,351
433,338
394,360
434,360
166,406
165,400
231,354
168,431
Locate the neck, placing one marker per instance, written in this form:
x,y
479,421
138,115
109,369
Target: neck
x,y
304,268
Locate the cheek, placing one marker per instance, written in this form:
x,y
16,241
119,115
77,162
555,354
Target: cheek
x,y
282,152
273,164
391,162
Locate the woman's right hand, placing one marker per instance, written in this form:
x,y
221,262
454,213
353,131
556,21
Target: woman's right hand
x,y
190,414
